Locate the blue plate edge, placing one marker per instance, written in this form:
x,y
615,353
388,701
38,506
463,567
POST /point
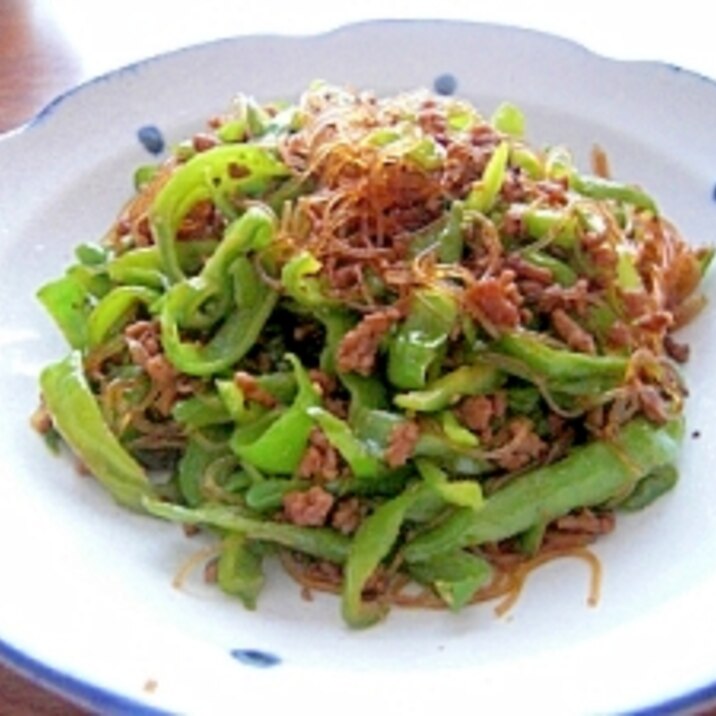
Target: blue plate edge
x,y
81,692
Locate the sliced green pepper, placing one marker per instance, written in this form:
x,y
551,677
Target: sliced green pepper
x,y
239,569
280,447
223,170
78,418
476,379
455,576
421,337
588,476
318,542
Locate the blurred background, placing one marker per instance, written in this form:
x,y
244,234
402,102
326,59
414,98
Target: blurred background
x,y
48,46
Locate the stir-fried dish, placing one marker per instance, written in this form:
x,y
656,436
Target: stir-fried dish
x,y
382,339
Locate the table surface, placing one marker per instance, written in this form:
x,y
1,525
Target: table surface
x,y
47,46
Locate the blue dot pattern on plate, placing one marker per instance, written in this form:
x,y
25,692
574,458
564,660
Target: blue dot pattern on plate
x,y
151,139
445,84
255,657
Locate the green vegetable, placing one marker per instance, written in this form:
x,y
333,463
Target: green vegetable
x,y
239,570
476,379
563,371
657,483
205,176
78,418
68,302
421,338
362,462
320,542
279,448
372,542
484,194
455,576
589,475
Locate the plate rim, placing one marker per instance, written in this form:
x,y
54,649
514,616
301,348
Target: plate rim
x,y
86,693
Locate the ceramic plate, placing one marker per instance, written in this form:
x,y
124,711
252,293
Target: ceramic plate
x,y
88,605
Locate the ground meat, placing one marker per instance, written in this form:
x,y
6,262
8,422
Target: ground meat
x,y
572,333
574,298
41,420
309,508
143,341
586,521
252,390
321,459
522,446
358,348
526,270
619,335
675,350
478,412
600,251
577,529
326,383
652,404
145,350
201,141
347,515
401,443
495,302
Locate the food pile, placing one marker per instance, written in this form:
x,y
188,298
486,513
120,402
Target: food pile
x,y
385,339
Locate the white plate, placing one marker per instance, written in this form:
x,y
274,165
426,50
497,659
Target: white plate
x,y
87,601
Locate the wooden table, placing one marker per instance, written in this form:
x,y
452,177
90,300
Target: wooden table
x,y
47,46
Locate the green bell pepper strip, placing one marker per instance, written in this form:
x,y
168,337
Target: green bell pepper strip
x,y
114,310
527,160
362,462
421,338
509,119
476,379
77,417
143,266
268,494
657,483
374,539
563,370
299,282
599,188
562,272
92,255
213,171
374,428
202,451
450,239
462,493
455,432
559,226
239,569
483,195
320,542
236,335
455,576
200,301
201,410
69,303
280,447
365,392
590,475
